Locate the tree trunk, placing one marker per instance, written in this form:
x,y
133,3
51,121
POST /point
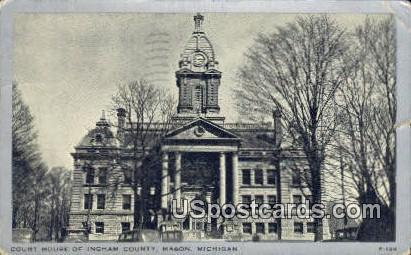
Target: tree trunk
x,y
14,218
36,212
51,227
384,226
136,214
316,189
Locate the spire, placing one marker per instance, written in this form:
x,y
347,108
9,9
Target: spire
x,y
103,115
198,21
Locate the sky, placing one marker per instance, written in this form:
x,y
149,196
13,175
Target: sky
x,y
68,66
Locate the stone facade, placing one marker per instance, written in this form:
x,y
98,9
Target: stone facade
x,y
201,156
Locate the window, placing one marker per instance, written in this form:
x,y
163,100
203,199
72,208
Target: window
x,y
125,226
271,177
186,223
310,227
99,138
298,227
185,92
102,176
246,177
86,226
88,201
259,228
246,199
101,201
296,178
272,199
128,177
198,98
247,228
297,199
199,225
126,202
259,199
100,227
90,175
258,176
272,227
152,191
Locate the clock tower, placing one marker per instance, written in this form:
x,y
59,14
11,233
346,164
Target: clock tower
x,y
198,78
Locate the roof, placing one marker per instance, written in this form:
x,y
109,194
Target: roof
x,y
250,136
199,42
198,53
262,139
100,136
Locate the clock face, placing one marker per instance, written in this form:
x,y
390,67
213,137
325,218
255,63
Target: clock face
x,y
199,59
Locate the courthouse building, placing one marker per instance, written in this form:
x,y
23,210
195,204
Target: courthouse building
x,y
202,156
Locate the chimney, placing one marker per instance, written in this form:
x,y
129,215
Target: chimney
x,y
121,118
278,133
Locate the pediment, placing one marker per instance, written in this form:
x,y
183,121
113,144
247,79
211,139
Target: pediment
x,y
212,71
184,71
200,129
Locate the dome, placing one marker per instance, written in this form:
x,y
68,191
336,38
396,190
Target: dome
x,y
100,136
198,43
198,53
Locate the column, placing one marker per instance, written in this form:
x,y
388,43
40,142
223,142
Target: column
x,y
222,179
235,178
164,181
177,178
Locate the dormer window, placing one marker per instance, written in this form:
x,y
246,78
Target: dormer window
x,y
98,138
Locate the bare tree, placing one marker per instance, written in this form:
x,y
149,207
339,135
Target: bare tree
x,y
37,195
28,169
367,134
148,112
59,185
25,154
298,70
40,197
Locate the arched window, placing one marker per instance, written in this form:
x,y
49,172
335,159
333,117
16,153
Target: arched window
x,y
198,98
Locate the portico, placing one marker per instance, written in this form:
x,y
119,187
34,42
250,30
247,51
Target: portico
x,y
199,136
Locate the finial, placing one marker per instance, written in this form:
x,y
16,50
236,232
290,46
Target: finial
x,y
198,21
102,122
